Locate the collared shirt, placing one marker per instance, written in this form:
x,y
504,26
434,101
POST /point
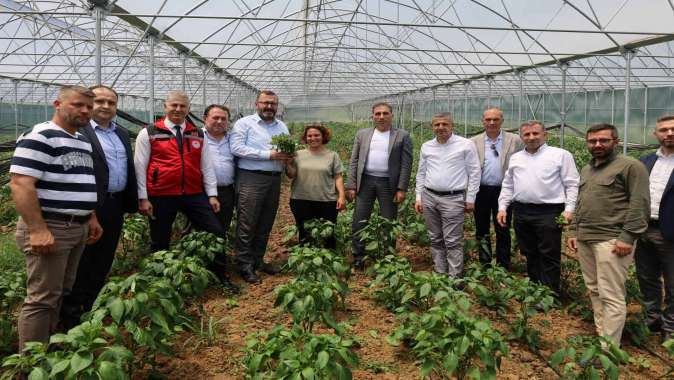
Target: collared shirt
x,y
141,159
547,176
250,140
613,201
660,174
222,158
377,157
115,155
492,174
451,166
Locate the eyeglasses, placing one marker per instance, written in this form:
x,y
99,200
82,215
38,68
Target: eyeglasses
x,y
268,103
600,141
493,149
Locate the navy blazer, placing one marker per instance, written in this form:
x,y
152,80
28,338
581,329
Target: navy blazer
x,y
666,212
101,171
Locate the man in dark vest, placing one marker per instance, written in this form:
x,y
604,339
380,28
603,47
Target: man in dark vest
x,y
117,194
175,174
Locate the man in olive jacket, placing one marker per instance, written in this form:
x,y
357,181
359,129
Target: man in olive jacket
x,y
380,168
611,213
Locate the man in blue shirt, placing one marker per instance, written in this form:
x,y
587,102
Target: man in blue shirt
x,y
258,183
494,148
117,194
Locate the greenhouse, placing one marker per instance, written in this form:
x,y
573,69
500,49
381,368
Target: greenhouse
x,y
567,63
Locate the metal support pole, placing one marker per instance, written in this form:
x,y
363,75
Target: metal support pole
x,y
98,13
519,103
435,107
46,102
184,72
203,87
219,88
543,119
586,107
629,54
152,40
16,108
562,111
489,80
465,109
401,118
613,106
643,135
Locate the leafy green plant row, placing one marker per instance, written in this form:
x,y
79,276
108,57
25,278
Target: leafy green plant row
x,y
132,320
298,353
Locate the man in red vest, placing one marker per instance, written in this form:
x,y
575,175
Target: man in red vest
x,y
174,174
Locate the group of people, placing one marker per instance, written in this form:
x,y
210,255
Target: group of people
x,y
73,178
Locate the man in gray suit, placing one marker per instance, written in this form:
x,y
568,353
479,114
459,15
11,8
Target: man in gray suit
x,y
380,168
494,148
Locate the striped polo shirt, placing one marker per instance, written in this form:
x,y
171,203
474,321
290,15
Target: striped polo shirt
x,y
63,166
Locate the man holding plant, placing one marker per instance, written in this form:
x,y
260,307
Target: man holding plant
x,y
258,184
448,179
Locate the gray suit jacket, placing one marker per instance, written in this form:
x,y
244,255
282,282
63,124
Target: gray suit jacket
x,y
511,144
399,159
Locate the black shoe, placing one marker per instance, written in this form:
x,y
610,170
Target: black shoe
x,y
359,264
269,268
249,276
229,286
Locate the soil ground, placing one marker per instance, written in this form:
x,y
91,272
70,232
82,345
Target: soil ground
x,y
370,322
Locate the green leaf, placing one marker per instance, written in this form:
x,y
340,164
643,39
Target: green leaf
x,y
117,309
108,371
322,360
38,374
59,367
308,373
80,361
425,290
427,367
371,246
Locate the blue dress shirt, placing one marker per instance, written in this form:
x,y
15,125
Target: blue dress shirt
x,y
250,140
492,174
115,156
222,158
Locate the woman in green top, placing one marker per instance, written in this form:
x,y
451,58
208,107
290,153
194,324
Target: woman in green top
x,y
317,189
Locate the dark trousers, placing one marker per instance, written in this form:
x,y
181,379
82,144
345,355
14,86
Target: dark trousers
x,y
371,188
540,240
654,259
199,212
304,210
256,206
226,199
95,262
486,208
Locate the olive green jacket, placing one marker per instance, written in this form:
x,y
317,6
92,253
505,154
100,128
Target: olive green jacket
x,y
613,201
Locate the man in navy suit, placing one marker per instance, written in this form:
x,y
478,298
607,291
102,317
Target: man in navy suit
x,y
655,250
117,194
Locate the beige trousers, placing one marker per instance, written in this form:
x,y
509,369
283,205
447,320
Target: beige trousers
x,y
48,278
605,273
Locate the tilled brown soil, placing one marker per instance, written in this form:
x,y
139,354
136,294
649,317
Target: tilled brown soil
x,y
370,323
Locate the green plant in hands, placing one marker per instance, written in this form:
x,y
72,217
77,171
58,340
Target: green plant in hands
x,y
561,220
284,143
298,354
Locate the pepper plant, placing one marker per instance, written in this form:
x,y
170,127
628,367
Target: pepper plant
x,y
318,264
532,298
310,301
590,358
298,354
379,236
491,286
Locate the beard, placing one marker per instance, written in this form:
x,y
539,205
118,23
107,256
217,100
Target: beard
x,y
267,117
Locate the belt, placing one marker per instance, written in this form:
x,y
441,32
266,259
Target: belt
x,y
263,172
115,195
65,217
539,206
445,193
654,223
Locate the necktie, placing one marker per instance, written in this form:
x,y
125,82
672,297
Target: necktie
x,y
179,138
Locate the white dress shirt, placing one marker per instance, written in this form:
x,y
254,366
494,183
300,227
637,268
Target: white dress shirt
x,y
547,176
222,158
377,158
451,166
141,160
662,170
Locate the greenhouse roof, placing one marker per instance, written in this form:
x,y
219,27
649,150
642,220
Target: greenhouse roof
x,y
332,52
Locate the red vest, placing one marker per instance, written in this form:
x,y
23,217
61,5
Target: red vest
x,y
169,171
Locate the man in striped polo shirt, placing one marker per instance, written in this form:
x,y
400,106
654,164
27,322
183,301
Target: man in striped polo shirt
x,y
53,186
